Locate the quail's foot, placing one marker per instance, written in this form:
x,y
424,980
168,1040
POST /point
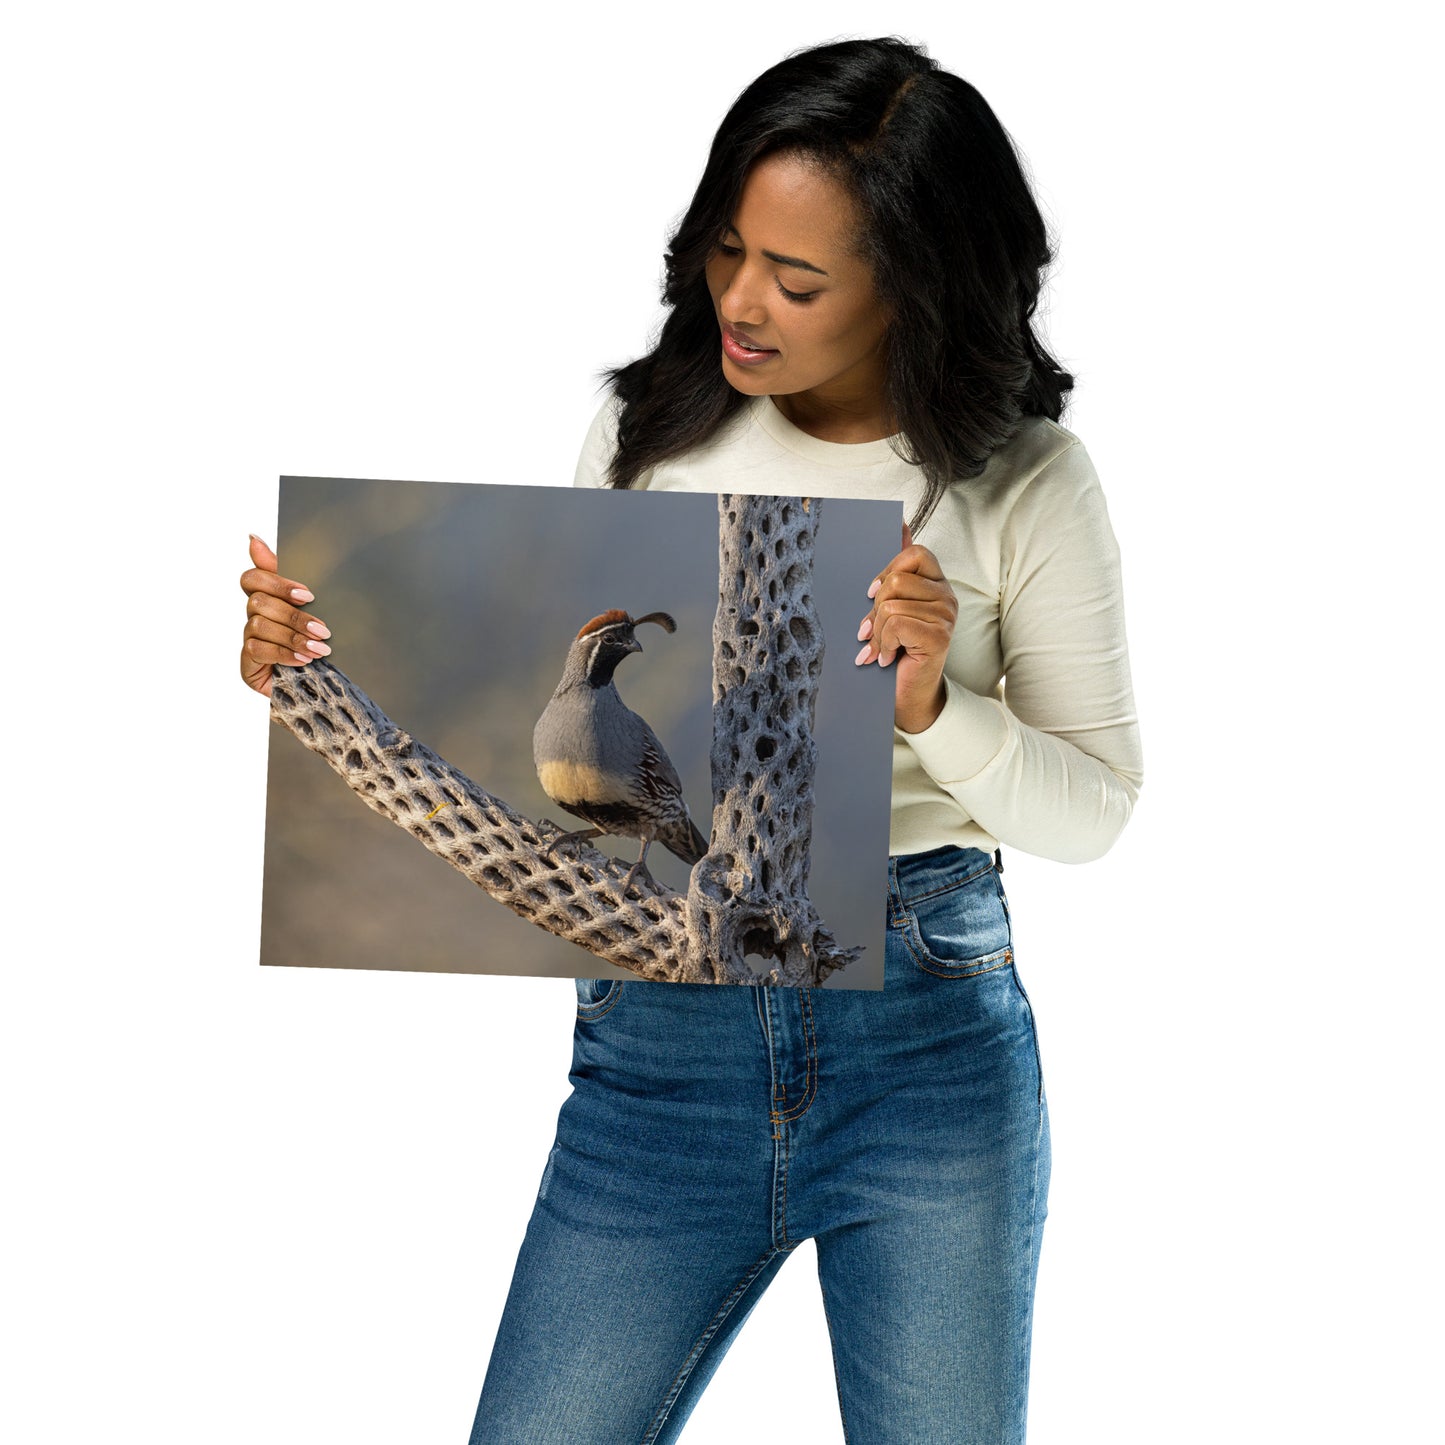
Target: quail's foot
x,y
573,840
640,867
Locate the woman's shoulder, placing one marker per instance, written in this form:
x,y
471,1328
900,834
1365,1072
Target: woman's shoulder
x,y
1038,483
1042,467
599,445
1038,448
1053,504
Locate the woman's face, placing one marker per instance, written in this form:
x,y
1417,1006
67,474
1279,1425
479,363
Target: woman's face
x,y
796,305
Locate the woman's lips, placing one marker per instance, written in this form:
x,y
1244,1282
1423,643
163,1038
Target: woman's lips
x,y
741,348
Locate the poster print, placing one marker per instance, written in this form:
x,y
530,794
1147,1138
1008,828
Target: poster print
x,y
615,715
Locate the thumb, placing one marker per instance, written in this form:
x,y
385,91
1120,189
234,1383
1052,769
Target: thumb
x,y
262,556
907,536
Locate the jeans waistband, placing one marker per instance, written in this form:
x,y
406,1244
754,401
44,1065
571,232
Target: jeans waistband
x,y
916,875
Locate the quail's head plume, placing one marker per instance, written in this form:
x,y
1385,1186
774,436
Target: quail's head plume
x,y
601,762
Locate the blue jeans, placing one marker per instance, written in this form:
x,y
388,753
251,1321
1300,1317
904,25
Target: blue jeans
x,y
711,1129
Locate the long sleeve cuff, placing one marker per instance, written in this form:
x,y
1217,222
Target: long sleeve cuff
x,y
963,739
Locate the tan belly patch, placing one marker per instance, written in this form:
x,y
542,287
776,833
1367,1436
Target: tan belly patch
x,y
578,783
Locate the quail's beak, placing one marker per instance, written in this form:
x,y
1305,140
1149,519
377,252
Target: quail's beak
x,y
633,645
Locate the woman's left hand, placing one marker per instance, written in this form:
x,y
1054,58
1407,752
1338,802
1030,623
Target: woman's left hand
x,y
914,610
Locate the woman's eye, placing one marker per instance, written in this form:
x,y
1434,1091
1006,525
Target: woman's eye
x,y
796,295
726,248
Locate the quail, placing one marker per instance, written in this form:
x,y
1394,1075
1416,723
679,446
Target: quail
x,y
601,762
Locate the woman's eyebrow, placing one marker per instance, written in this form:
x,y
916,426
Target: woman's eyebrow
x,y
794,261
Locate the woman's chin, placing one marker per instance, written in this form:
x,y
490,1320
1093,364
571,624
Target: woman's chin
x,y
740,378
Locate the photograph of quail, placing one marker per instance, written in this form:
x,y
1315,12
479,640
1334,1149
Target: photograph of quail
x,y
454,832
600,761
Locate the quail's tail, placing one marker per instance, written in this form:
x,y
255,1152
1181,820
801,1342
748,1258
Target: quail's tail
x,y
684,841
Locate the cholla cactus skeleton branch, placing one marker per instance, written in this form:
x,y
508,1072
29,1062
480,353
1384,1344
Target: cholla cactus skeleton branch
x,y
477,833
748,896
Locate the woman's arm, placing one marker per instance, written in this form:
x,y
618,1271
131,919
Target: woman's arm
x,y
1055,767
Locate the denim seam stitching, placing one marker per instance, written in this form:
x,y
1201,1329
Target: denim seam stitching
x,y
1022,1345
1034,1034
780,1203
939,968
947,887
588,1012
810,1085
837,1373
778,1119
775,1122
703,1340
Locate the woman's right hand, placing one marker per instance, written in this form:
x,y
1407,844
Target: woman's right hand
x,y
277,631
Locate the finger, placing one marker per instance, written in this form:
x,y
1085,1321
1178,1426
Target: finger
x,y
911,559
911,584
907,536
935,610
295,642
915,630
930,601
935,614
914,558
259,652
872,627
256,675
275,610
266,568
259,579
921,636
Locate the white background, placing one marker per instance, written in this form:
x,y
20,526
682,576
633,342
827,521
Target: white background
x,y
282,1206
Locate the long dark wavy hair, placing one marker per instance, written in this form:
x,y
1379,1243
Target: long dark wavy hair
x,y
951,230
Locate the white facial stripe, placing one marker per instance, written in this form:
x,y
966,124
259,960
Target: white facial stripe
x,y
611,633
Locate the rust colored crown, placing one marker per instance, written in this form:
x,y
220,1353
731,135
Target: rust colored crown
x,y
616,615
604,619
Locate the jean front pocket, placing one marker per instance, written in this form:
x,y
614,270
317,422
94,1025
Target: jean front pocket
x,y
597,996
961,929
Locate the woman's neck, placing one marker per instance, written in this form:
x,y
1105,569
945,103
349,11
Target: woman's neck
x,y
836,419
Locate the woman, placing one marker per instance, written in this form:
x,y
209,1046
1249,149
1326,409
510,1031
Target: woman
x,y
850,301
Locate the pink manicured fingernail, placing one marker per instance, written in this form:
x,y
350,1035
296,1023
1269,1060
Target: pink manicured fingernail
x,y
318,629
866,630
863,655
300,594
877,583
319,648
302,657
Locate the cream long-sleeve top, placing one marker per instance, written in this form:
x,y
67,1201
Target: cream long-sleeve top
x,y
1037,746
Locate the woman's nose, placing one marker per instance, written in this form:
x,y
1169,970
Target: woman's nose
x,y
742,299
